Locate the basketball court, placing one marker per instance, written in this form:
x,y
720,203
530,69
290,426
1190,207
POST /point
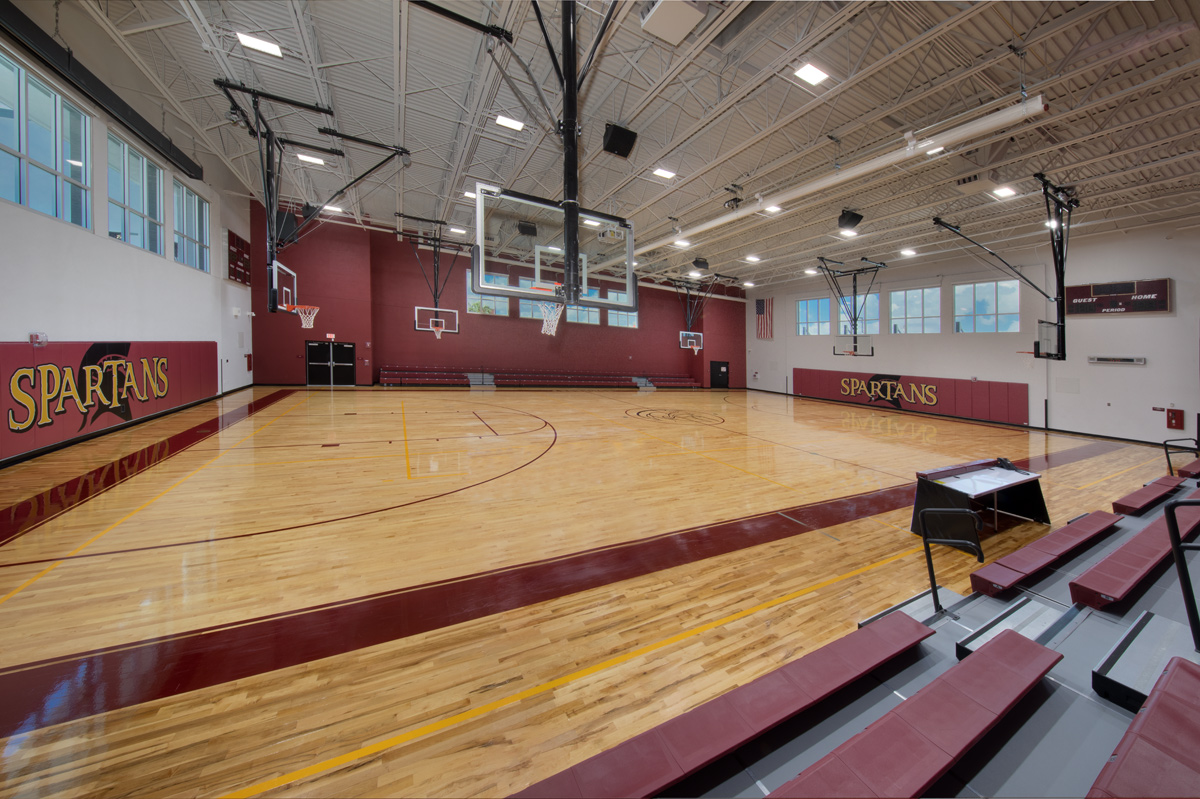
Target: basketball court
x,y
386,592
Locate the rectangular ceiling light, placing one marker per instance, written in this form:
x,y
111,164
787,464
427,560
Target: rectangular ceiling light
x,y
810,74
591,223
664,173
333,208
1004,192
470,195
511,124
772,209
458,230
753,259
311,159
261,45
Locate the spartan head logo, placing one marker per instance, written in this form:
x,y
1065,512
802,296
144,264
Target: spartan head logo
x,y
100,354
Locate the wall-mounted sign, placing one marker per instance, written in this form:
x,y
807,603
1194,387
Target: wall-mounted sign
x,y
1126,296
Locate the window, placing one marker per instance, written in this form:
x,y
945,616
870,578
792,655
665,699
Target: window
x,y
191,228
527,309
585,316
480,303
917,311
134,197
987,307
867,306
43,147
812,317
621,318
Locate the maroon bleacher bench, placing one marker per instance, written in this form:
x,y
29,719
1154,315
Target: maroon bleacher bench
x,y
1003,573
654,760
918,741
1137,502
1115,577
1160,752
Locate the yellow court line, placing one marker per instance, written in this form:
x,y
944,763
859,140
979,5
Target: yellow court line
x,y
404,432
1114,474
145,505
558,682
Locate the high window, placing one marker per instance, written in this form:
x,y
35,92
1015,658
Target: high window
x,y
481,303
586,316
43,147
191,228
993,307
867,307
134,198
812,317
916,311
621,318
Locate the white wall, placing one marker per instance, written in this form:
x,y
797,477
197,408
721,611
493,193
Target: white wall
x,y
77,284
1097,399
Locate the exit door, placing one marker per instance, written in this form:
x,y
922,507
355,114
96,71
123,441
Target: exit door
x,y
718,374
330,363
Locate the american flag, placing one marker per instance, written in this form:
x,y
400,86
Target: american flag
x,y
763,310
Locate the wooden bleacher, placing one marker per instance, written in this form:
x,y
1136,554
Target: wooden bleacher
x,y
649,763
906,751
1158,756
1115,577
1005,572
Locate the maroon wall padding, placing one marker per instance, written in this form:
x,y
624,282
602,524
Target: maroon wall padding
x,y
189,368
367,284
990,401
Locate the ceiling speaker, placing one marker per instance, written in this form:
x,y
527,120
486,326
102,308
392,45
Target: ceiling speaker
x,y
618,140
526,228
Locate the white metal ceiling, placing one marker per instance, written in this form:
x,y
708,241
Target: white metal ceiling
x,y
722,110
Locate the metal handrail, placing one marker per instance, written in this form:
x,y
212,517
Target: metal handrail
x,y
953,542
1168,450
1181,567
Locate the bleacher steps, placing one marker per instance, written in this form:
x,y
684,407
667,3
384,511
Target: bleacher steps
x,y
1025,615
1128,672
920,606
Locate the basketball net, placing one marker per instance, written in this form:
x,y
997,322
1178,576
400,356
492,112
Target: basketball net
x,y
437,326
551,313
308,313
695,349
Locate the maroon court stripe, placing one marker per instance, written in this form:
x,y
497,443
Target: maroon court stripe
x,y
54,691
20,518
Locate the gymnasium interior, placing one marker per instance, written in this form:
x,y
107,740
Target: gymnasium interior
x,y
551,398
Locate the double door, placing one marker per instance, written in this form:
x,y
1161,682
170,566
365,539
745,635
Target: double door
x,y
329,363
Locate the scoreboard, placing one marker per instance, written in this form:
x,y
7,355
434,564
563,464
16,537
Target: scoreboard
x,y
1127,296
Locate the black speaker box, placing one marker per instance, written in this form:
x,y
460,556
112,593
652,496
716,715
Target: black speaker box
x,y
618,140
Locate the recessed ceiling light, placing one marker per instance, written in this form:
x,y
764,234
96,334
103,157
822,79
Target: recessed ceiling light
x,y
1004,192
694,273
772,209
748,284
753,259
934,151
591,223
682,243
512,124
664,173
458,230
261,45
554,249
470,195
810,271
908,253
333,208
310,159
810,74
848,233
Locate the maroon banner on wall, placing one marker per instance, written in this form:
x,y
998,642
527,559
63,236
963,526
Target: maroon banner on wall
x,y
67,390
987,400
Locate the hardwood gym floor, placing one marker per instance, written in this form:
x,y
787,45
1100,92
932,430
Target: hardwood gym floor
x,y
383,592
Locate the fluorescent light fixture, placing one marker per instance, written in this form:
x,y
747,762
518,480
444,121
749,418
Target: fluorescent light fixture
x,y
664,173
694,273
261,45
810,74
511,124
772,209
748,284
75,163
848,233
470,195
1004,192
635,263
810,271
333,208
682,243
554,249
908,253
934,151
311,159
591,223
753,259
458,230
1052,224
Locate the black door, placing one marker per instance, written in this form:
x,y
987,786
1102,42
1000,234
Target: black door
x,y
718,374
330,363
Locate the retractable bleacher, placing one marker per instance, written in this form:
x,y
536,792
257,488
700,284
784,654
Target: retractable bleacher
x,y
651,762
911,746
1005,572
423,376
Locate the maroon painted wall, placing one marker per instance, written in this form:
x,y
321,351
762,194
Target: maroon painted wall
x,y
71,389
987,400
367,284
